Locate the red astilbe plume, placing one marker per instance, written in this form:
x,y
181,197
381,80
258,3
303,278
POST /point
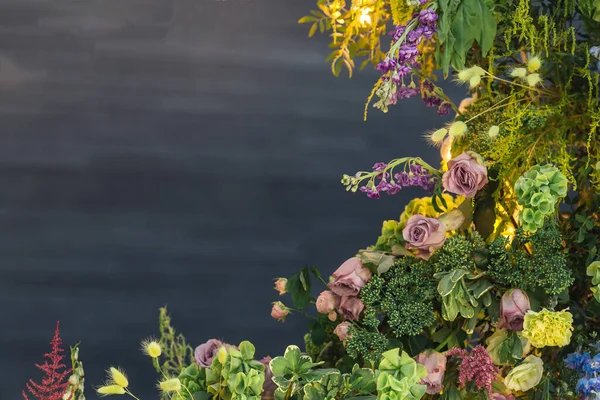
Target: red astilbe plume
x,y
477,367
54,383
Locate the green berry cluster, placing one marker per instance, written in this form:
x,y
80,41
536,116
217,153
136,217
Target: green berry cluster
x,y
538,191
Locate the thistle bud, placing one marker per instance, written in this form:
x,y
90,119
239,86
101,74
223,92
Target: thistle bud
x,y
458,129
533,79
438,136
118,377
474,81
110,389
518,73
534,64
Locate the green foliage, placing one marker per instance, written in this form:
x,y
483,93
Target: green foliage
x,y
463,293
76,381
193,378
531,261
399,377
366,344
176,352
234,374
593,270
463,23
298,286
538,191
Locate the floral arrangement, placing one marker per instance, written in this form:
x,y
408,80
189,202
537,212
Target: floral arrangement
x,y
488,287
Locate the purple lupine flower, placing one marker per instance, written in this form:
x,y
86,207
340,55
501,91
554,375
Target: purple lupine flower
x,y
415,36
407,53
428,85
444,108
397,32
379,166
372,194
389,188
405,92
432,101
386,65
429,31
427,16
403,70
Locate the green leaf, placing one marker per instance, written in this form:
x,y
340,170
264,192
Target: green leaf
x,y
466,208
452,220
308,18
487,27
247,349
298,286
441,335
377,261
313,29
200,396
485,216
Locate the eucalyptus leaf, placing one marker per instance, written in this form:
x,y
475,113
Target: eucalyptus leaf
x,y
452,220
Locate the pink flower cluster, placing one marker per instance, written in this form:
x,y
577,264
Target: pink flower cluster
x,y
342,298
476,366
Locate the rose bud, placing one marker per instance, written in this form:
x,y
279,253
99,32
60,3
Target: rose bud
x,y
279,311
206,352
342,330
280,285
513,306
351,307
327,302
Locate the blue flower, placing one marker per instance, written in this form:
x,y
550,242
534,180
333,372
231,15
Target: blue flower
x,y
577,361
592,366
587,386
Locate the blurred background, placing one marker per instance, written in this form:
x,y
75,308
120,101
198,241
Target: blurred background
x,y
180,153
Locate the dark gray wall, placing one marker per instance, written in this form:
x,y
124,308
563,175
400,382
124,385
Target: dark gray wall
x,y
180,152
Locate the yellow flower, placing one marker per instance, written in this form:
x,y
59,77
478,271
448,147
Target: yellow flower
x,y
222,354
548,328
170,385
152,348
525,375
534,64
110,389
118,377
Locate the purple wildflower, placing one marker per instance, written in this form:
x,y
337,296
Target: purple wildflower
x,y
432,101
415,36
477,367
379,166
428,85
427,16
443,109
403,70
397,32
429,31
592,367
372,194
405,92
407,53
386,65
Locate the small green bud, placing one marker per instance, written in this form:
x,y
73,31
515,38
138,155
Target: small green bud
x,y
533,79
518,73
474,81
598,166
493,132
438,136
458,129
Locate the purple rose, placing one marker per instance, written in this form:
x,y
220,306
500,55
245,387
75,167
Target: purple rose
x,y
349,278
465,175
205,353
424,234
269,386
351,307
436,367
513,306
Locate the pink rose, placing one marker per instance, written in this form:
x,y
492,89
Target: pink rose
x,y
498,396
349,278
280,286
279,311
269,386
206,352
465,175
513,306
424,234
342,330
436,367
327,302
351,307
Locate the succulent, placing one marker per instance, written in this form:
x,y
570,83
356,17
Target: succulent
x,y
538,191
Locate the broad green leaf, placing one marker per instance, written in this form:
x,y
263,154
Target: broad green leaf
x,y
484,216
247,349
466,207
452,220
377,261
